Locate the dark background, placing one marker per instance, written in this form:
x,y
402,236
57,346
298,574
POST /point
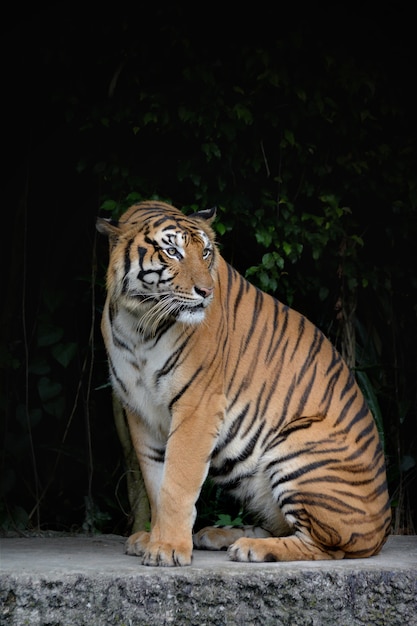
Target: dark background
x,y
198,106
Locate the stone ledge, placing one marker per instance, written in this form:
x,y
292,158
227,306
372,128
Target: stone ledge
x,y
88,581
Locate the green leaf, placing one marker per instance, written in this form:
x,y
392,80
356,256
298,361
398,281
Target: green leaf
x,y
407,463
48,334
224,519
48,389
211,149
150,117
133,197
243,113
109,205
55,407
64,352
264,236
220,228
289,136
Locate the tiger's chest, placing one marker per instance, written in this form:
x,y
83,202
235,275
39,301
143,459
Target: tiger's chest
x,y
139,372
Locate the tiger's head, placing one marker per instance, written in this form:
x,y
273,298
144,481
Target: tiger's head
x,y
162,263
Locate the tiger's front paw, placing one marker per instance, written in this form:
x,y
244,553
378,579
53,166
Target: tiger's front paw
x,y
250,551
158,553
167,555
292,548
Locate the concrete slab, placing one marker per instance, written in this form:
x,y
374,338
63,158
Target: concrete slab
x,y
80,580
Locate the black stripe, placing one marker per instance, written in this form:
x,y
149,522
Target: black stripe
x,y
257,412
365,431
301,329
345,409
120,343
336,358
300,471
278,314
171,362
274,327
330,503
229,464
359,452
306,392
273,385
115,377
310,450
127,257
184,388
312,353
232,432
331,383
234,279
112,309
156,454
359,415
350,382
256,308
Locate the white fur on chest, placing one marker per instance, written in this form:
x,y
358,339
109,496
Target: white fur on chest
x,y
136,363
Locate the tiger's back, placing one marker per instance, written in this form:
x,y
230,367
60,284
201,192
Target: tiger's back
x,y
243,386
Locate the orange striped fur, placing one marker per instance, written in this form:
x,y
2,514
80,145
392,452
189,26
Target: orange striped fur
x,y
217,376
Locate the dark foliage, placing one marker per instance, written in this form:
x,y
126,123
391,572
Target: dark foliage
x,y
299,125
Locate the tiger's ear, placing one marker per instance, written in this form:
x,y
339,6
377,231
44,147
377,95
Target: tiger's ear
x,y
206,214
108,227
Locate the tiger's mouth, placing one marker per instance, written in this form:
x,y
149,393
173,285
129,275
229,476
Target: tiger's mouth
x,y
154,310
181,304
167,306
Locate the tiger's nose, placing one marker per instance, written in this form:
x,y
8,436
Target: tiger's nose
x,y
205,292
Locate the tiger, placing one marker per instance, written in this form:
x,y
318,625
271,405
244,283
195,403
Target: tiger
x,y
220,379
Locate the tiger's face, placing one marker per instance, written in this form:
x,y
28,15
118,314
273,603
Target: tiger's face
x,y
163,271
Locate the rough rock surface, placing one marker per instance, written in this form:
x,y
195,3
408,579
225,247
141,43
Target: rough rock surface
x,y
89,581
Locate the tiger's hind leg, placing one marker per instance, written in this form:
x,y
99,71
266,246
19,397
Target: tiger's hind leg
x,y
292,548
214,538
